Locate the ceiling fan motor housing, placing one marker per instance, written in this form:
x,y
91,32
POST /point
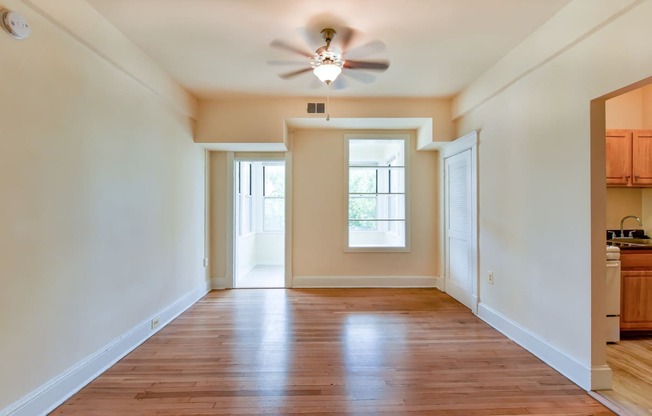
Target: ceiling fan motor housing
x,y
326,57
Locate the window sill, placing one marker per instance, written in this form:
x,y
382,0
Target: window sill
x,y
377,250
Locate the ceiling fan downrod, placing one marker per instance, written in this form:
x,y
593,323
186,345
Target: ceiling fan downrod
x,y
328,35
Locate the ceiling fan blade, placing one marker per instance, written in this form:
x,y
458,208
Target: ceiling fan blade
x,y
282,45
370,65
367,49
277,62
346,35
292,74
363,77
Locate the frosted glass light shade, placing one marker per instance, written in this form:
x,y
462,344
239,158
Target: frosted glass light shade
x,y
327,72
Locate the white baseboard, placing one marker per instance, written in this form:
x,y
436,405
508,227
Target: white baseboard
x,y
48,396
364,281
588,378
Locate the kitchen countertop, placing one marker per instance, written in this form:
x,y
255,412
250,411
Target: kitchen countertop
x,y
637,240
630,245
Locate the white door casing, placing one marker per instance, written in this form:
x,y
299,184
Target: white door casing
x,y
460,220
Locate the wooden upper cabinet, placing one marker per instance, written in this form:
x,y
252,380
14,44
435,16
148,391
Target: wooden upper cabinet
x,y
642,157
629,158
619,157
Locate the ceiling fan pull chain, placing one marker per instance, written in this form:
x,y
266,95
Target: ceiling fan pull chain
x,y
328,104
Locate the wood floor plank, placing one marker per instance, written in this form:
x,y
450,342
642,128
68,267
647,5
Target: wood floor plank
x,y
330,351
631,363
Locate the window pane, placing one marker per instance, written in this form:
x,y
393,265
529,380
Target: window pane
x,y
246,217
391,180
363,207
274,214
376,200
274,180
362,180
244,178
391,207
382,151
398,180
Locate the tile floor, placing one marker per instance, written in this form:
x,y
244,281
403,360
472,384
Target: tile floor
x,y
263,277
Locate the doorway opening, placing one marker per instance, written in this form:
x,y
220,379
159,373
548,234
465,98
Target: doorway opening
x,y
259,224
625,117
459,163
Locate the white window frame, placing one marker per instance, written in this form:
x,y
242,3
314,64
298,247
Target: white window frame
x,y
408,148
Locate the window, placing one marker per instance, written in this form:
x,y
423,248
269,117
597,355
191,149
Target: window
x,y
273,197
376,206
245,198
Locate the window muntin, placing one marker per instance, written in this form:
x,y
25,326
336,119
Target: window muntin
x,y
376,209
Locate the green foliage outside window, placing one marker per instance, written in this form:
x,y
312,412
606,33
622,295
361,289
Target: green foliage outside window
x,y
361,207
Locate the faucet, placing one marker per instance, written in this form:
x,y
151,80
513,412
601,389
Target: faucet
x,y
623,221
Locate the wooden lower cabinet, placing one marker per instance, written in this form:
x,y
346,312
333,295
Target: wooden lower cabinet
x,y
636,302
636,290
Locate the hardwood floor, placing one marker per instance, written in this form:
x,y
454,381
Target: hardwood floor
x,y
330,351
631,363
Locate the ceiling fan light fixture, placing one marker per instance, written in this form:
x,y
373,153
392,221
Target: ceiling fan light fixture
x,y
327,72
327,65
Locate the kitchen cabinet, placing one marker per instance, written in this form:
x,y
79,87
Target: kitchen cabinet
x,y
642,157
636,290
629,158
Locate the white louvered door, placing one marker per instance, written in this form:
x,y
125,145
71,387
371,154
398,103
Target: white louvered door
x,y
459,250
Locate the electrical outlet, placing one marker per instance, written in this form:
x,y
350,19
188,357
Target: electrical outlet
x,y
205,262
490,278
156,321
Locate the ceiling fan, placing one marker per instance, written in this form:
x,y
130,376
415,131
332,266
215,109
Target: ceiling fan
x,y
328,63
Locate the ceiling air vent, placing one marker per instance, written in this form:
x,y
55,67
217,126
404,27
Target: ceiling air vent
x,y
316,108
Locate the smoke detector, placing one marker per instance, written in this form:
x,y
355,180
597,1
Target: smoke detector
x,y
14,23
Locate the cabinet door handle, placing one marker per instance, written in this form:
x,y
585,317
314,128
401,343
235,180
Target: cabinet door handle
x,y
636,176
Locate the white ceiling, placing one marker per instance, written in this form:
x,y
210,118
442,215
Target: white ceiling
x,y
218,47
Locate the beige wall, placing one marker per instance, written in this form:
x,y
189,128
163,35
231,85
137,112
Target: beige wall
x,y
102,202
540,171
318,219
647,107
625,111
647,211
260,119
622,202
218,214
